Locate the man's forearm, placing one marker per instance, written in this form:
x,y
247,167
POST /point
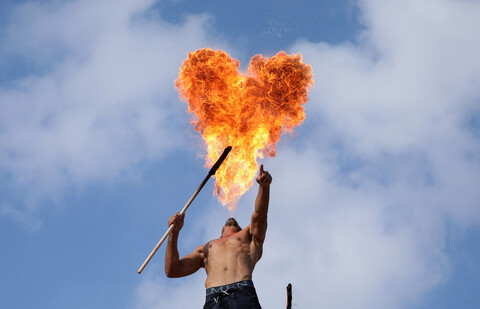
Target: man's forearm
x,y
261,203
171,254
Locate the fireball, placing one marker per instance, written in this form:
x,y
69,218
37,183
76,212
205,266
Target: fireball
x,y
249,112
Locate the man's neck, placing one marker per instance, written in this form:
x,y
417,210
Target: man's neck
x,y
228,233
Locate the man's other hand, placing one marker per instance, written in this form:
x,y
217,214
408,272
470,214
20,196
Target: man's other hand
x,y
264,178
177,221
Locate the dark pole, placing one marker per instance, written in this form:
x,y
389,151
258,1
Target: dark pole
x,y
289,296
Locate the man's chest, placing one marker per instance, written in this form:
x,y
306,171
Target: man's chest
x,y
225,247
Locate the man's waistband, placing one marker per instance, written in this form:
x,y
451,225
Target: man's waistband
x,y
224,288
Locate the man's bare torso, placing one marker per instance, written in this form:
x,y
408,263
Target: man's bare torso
x,y
230,259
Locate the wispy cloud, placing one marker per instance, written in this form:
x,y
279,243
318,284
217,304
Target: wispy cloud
x,y
92,96
29,222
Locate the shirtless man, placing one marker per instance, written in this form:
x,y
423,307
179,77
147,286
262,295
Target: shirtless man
x,y
229,260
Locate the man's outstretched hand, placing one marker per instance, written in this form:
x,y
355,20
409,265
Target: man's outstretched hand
x,y
264,178
177,221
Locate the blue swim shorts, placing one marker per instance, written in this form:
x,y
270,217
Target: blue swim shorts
x,y
238,295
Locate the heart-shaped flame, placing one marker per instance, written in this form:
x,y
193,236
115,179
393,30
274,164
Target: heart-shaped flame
x,y
246,111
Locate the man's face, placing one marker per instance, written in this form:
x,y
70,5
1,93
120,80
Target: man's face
x,y
231,223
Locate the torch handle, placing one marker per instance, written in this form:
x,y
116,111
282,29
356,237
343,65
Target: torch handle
x,y
210,173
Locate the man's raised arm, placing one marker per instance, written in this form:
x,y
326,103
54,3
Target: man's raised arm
x,y
175,267
258,226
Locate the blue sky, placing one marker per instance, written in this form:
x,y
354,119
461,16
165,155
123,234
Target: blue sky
x,y
375,198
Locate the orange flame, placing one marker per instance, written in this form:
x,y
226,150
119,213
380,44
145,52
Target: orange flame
x,y
246,111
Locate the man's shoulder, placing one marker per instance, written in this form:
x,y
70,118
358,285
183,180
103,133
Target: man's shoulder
x,y
202,248
246,232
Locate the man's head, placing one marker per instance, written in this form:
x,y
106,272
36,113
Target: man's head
x,y
231,226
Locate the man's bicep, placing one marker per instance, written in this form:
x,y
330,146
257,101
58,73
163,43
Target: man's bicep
x,y
258,227
190,263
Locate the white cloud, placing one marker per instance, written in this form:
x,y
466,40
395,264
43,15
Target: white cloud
x,y
97,100
334,240
405,93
